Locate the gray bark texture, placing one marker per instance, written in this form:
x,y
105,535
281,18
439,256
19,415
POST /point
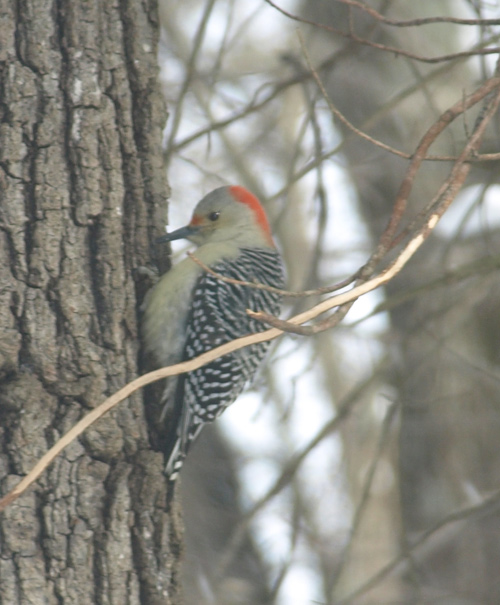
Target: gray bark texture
x,y
82,192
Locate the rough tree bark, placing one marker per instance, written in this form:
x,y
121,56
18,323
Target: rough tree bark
x,y
82,193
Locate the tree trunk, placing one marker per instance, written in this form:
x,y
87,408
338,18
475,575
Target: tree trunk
x,y
82,193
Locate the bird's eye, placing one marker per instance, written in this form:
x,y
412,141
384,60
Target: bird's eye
x,y
213,216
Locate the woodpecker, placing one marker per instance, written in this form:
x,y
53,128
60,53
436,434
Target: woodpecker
x,y
189,311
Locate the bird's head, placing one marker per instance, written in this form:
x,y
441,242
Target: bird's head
x,y
227,214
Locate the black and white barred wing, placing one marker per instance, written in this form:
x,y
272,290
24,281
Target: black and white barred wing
x,y
218,315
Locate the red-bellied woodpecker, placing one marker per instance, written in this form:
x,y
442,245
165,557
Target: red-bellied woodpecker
x,y
189,311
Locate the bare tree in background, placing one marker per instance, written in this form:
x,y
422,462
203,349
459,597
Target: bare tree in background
x,y
415,401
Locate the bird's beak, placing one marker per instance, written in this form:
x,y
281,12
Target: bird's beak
x,y
182,233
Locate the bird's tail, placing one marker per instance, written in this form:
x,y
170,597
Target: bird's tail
x,y
175,461
177,455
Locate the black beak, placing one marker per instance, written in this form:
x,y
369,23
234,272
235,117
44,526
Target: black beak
x,y
182,233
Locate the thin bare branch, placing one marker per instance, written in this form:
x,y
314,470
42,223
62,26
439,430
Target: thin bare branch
x,y
290,469
198,40
383,47
367,486
386,240
480,267
258,286
340,115
418,22
449,189
488,505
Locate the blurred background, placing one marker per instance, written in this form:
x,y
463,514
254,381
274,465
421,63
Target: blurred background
x,y
363,465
